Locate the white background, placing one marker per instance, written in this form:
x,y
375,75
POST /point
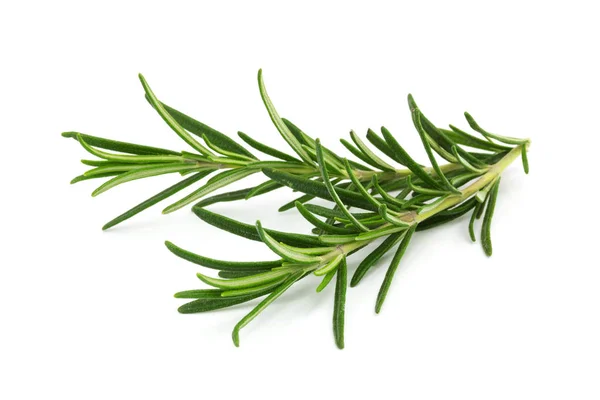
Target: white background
x,y
90,314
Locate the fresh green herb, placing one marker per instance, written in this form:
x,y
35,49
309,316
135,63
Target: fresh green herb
x,y
393,203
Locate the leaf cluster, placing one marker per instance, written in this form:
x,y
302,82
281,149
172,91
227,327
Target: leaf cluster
x,y
384,194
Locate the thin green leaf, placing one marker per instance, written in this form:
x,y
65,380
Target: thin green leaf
x,y
172,122
279,124
339,304
382,146
263,148
145,172
114,168
116,145
504,139
383,231
332,191
416,116
486,238
476,211
224,152
331,213
459,136
323,226
199,129
221,265
225,178
264,187
392,219
210,304
330,266
482,194
358,185
249,231
235,195
288,166
374,159
199,294
389,276
317,189
408,160
524,158
424,190
255,289
302,199
326,279
240,274
356,152
374,256
284,251
243,282
385,195
447,215
85,178
264,304
126,158
168,192
466,163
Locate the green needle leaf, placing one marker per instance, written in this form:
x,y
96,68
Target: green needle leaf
x,y
389,276
280,125
263,148
199,129
210,304
264,187
168,192
326,279
524,158
145,172
199,294
317,189
374,160
264,304
218,181
380,144
332,191
416,116
249,231
239,274
255,289
87,177
424,190
226,153
504,139
116,145
486,238
339,304
244,282
289,205
221,265
408,160
474,215
374,256
330,266
466,163
284,251
137,159
320,224
447,215
459,136
168,118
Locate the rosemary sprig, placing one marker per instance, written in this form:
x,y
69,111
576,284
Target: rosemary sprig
x,y
395,202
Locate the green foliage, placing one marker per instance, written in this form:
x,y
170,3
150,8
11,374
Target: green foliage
x,y
395,198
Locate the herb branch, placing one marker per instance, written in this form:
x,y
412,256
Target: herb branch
x,y
395,202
